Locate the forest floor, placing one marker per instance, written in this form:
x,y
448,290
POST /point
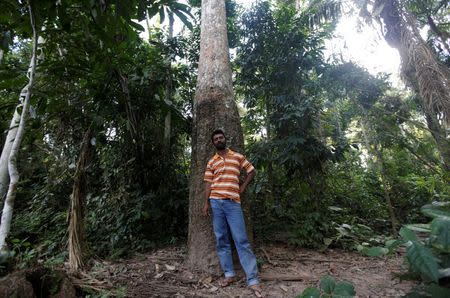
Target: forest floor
x,y
285,272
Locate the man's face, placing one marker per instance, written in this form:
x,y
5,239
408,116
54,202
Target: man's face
x,y
219,141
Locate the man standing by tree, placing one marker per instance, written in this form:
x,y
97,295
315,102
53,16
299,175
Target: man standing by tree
x,y
222,194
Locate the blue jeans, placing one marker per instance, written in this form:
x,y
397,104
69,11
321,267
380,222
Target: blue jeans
x,y
228,212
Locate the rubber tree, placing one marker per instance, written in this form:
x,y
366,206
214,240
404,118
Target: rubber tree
x,y
214,107
24,103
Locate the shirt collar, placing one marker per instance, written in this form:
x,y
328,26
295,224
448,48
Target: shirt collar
x,y
230,152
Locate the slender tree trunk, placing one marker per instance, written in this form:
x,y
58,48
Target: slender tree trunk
x,y
270,177
77,205
387,194
442,142
4,174
25,95
214,107
168,95
442,35
372,147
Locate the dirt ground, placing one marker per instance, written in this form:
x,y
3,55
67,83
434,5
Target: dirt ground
x,y
285,272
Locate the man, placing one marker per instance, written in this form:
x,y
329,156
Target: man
x,y
222,194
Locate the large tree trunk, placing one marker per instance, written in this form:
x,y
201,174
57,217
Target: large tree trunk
x,y
424,73
24,98
420,67
214,107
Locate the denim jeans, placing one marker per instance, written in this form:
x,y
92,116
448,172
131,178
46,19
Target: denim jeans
x,y
228,212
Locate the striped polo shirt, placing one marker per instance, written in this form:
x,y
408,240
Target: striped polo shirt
x,y
223,172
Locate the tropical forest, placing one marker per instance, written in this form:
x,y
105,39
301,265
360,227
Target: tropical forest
x,y
109,112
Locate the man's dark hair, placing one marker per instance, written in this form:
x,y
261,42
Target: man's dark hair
x,y
217,132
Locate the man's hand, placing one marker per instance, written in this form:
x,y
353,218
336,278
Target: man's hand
x,y
206,211
247,180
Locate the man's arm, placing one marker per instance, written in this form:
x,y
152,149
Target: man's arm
x,y
247,180
207,193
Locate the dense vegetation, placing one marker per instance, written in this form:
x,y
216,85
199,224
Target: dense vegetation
x,y
342,156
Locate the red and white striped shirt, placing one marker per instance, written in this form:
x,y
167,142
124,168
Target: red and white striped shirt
x,y
223,173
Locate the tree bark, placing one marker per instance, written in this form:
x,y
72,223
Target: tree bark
x,y
24,98
420,67
77,206
4,174
168,95
214,108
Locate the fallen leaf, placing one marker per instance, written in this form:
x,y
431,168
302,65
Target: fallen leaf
x,y
284,288
207,280
169,267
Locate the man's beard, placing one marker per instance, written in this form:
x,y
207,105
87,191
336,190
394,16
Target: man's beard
x,y
221,146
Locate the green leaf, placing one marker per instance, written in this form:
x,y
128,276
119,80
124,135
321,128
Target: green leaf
x,y
184,19
437,210
344,289
419,227
137,26
152,11
422,260
407,234
393,244
310,292
440,230
438,292
162,15
327,284
376,251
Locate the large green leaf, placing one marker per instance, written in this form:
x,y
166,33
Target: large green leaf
x,y
440,230
422,260
136,26
393,244
310,292
437,210
438,292
376,251
343,290
407,234
327,284
181,15
419,227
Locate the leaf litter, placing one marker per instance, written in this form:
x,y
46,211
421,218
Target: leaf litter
x,y
284,271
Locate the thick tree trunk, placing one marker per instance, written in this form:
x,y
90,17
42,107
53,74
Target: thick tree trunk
x,y
420,67
25,95
214,107
77,205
